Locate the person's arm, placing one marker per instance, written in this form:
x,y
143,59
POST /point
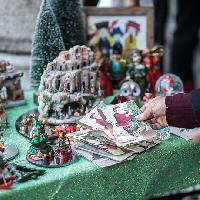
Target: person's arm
x,y
195,101
181,109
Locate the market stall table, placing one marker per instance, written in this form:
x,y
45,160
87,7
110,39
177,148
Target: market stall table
x,y
172,165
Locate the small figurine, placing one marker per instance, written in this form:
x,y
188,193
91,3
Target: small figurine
x,y
117,45
137,69
105,83
104,39
39,152
117,70
62,151
79,127
147,95
151,59
69,112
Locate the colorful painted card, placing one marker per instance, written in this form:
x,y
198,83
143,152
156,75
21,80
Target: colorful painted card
x,y
97,159
94,139
94,121
92,149
125,128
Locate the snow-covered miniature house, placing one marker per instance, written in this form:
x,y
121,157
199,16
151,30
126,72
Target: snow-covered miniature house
x,y
11,93
69,86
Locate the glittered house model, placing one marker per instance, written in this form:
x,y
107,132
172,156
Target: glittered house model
x,y
69,86
11,93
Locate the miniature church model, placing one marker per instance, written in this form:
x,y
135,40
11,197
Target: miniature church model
x,y
11,93
69,86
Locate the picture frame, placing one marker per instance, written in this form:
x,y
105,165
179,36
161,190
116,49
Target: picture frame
x,y
139,18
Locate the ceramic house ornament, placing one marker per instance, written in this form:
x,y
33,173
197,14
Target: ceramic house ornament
x,y
67,86
11,93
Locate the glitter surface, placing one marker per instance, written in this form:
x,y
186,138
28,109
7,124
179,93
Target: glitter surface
x,y
172,165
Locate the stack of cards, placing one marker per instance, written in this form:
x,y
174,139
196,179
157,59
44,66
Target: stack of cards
x,y
113,134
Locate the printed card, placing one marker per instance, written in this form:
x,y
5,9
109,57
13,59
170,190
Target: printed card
x,y
94,121
91,149
125,128
94,139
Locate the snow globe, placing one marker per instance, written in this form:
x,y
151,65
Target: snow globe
x,y
168,84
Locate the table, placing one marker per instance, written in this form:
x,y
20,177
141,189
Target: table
x,y
172,165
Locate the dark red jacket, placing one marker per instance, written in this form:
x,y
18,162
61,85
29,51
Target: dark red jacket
x,y
183,110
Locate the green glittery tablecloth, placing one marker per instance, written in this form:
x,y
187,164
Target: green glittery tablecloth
x,y
172,165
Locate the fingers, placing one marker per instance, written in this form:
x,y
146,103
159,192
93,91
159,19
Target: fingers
x,y
142,109
157,123
145,115
196,136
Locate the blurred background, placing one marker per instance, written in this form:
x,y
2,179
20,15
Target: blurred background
x,y
176,26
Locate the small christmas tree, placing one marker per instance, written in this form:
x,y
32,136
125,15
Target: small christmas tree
x,y
47,42
74,27
59,26
68,15
39,152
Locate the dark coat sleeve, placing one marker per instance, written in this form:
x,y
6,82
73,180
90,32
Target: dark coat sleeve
x,y
195,101
179,111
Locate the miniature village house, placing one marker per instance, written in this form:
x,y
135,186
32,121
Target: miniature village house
x,y
11,93
68,84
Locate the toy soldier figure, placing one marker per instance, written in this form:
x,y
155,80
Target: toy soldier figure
x,y
104,39
117,45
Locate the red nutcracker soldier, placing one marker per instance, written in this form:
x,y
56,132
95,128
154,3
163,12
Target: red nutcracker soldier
x,y
151,60
105,83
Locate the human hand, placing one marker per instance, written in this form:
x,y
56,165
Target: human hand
x,y
154,112
196,135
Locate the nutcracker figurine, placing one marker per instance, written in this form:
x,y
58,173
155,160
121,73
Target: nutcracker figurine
x,y
104,39
151,60
103,64
117,45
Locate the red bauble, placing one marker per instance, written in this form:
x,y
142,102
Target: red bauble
x,y
119,99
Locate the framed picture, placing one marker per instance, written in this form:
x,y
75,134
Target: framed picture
x,y
116,30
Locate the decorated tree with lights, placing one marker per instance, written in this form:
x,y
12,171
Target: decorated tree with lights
x,y
58,27
39,152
